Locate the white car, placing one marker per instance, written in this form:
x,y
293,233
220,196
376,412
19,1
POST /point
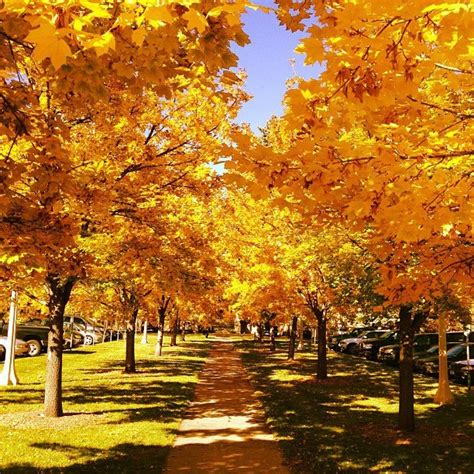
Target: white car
x,y
351,344
21,347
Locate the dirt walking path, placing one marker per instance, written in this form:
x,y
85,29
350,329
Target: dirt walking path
x,y
224,430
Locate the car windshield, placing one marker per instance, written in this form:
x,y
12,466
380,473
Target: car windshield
x,y
456,350
372,334
388,334
433,350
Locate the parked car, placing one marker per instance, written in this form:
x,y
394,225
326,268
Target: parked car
x,y
72,339
351,345
430,365
21,347
334,340
390,354
459,370
370,347
421,344
35,335
91,332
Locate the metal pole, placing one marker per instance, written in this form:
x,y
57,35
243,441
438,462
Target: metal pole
x,y
8,375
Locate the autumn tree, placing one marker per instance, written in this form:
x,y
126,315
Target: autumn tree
x,y
63,64
380,143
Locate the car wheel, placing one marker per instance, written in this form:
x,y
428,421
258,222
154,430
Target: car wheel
x,y
35,347
88,340
352,349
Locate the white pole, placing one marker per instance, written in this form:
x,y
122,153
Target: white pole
x,y
145,332
8,375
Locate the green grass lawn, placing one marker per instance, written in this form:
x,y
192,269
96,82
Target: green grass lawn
x,y
114,422
348,423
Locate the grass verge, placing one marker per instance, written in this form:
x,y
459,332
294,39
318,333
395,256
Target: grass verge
x,y
348,422
114,422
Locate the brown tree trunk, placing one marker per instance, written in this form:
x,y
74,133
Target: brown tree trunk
x,y
300,337
292,341
174,334
161,325
183,333
272,341
130,367
408,327
58,297
322,346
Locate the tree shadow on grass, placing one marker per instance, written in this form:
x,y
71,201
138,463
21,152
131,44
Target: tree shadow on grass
x,y
123,458
348,423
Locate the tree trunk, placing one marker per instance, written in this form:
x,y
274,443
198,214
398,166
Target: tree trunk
x,y
408,327
322,346
174,334
58,297
161,333
300,338
130,367
443,395
272,341
183,333
292,341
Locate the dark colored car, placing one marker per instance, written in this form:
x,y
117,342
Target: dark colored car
x,y
459,370
421,344
390,354
370,347
430,365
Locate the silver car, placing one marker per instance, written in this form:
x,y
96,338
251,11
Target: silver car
x,y
21,347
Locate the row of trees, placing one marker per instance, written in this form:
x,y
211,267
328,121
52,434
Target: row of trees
x,y
111,114
379,145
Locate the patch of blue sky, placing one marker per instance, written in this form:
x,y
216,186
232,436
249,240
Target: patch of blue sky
x,y
269,60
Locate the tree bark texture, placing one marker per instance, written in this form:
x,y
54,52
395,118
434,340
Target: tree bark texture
x,y
130,365
409,324
161,325
443,395
292,341
272,341
322,345
300,337
174,334
59,294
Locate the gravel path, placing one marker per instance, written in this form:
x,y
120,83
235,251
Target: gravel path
x,y
224,430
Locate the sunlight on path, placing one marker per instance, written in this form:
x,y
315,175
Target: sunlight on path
x,y
224,430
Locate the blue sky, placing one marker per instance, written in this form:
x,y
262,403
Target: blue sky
x,y
267,62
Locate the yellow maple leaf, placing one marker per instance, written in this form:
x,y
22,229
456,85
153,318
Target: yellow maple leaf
x,y
196,20
158,16
138,36
48,44
313,49
15,5
103,43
